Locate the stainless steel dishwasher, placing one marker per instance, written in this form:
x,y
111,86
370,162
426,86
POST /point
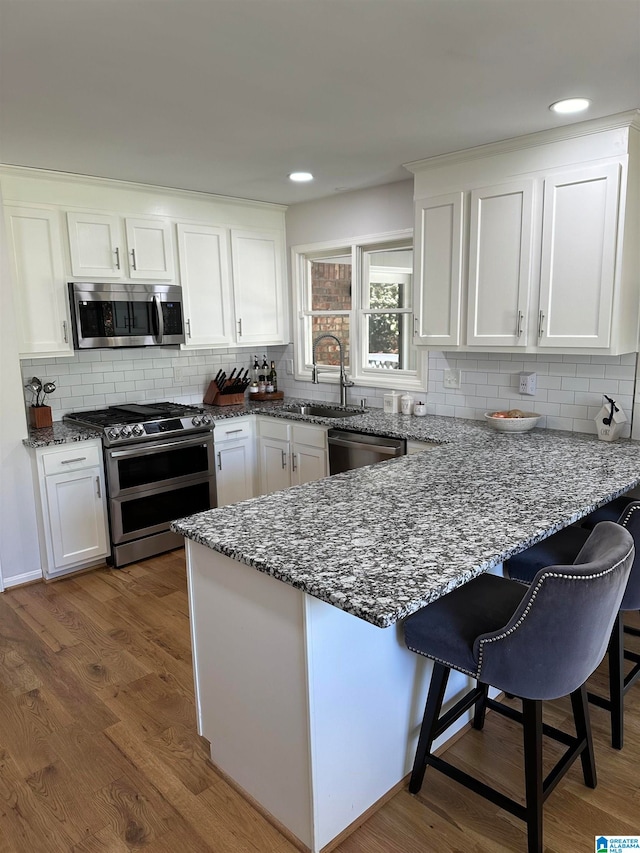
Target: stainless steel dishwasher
x,y
348,450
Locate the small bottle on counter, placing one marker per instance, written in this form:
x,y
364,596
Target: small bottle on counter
x,y
272,380
255,372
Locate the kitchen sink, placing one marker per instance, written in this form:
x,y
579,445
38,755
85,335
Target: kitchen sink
x,y
323,411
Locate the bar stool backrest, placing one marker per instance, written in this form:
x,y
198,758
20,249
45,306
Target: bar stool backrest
x,y
559,633
630,520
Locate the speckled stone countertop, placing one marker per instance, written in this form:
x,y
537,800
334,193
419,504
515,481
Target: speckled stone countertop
x,y
382,541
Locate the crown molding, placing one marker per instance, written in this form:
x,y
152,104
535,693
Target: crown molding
x,y
53,175
629,119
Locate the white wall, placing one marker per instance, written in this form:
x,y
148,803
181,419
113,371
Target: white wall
x,y
19,554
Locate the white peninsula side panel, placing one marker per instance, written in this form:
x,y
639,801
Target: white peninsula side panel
x,y
313,712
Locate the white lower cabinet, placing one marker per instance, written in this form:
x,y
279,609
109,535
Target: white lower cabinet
x,y
72,508
234,460
290,454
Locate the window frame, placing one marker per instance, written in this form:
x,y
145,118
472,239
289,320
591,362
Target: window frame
x,y
362,375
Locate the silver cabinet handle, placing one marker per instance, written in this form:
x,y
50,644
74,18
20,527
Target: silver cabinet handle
x,y
98,489
70,461
133,259
187,323
284,459
240,327
232,431
294,467
116,252
219,461
519,324
541,324
64,332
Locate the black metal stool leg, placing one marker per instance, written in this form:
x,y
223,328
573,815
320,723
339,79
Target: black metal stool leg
x,y
481,708
616,682
583,731
435,698
532,730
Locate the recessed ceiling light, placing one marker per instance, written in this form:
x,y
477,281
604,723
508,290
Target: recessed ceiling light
x,y
301,177
570,105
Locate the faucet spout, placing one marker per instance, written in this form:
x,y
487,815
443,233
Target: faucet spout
x,y
344,381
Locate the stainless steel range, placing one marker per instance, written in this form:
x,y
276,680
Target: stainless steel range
x,y
159,466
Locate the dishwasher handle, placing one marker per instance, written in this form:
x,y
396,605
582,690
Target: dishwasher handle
x,y
359,445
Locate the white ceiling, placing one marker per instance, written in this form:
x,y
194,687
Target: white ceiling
x,y
229,96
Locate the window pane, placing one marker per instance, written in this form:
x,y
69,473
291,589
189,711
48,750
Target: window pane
x,y
389,342
328,351
331,284
390,274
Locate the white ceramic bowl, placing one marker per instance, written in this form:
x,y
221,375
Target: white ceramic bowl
x,y
523,424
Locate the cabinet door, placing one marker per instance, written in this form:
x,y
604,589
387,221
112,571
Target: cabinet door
x,y
95,245
76,514
150,249
234,472
578,257
258,287
307,463
438,270
39,288
274,465
203,260
500,264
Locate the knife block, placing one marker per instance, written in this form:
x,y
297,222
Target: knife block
x,y
215,397
40,416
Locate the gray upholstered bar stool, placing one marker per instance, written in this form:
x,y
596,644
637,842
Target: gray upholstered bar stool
x,y
563,547
536,642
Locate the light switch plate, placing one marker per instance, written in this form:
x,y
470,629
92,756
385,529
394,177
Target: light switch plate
x,y
452,378
178,373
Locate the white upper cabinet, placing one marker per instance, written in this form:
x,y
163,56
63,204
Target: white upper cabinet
x,y
95,245
438,266
39,288
98,250
579,232
203,258
258,287
499,264
549,258
150,249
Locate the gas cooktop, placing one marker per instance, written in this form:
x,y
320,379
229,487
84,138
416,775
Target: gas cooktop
x,y
133,422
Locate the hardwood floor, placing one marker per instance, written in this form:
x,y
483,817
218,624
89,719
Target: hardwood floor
x,y
99,751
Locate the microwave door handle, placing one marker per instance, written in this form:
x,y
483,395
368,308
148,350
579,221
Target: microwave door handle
x,y
158,305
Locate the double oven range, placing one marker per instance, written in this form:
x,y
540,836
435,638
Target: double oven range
x,y
159,466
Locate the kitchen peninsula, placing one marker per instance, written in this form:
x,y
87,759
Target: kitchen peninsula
x,y
304,688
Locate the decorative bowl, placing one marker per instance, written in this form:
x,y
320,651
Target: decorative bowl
x,y
522,423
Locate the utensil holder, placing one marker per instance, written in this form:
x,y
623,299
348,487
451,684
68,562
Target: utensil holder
x,y
215,397
40,416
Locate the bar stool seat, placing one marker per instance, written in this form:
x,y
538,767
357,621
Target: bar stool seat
x,y
563,547
507,635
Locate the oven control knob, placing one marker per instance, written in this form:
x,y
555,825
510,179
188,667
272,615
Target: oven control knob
x,y
125,432
196,421
113,433
137,429
207,419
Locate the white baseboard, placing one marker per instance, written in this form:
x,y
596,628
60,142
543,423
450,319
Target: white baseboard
x,y
26,577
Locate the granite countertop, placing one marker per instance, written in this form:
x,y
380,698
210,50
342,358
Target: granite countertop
x,y
381,542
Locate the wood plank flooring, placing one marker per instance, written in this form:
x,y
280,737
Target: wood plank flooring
x,y
99,750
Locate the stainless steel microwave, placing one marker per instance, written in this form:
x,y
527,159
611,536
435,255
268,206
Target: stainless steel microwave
x,y
126,315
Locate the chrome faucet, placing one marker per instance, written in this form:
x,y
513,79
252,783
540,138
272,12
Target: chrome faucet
x,y
344,382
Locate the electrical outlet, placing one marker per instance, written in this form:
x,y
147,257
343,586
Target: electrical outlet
x,y
178,373
452,378
528,383
289,367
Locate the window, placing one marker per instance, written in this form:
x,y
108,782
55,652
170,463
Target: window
x,y
358,298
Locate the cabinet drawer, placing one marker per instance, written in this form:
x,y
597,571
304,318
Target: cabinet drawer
x,y
80,455
231,430
272,428
312,436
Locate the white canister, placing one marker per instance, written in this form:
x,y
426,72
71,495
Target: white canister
x,y
391,403
420,408
406,404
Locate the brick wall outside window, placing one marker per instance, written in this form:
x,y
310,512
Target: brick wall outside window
x,y
331,291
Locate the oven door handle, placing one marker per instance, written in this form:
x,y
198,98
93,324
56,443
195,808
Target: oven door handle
x,y
160,317
157,448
